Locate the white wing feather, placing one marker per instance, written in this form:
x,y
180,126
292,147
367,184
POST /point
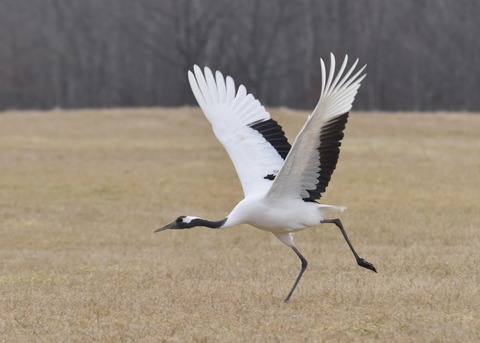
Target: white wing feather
x,y
301,169
230,114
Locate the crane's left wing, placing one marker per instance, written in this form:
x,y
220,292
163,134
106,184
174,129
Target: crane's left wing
x,y
310,164
255,143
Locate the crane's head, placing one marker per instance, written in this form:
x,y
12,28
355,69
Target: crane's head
x,y
187,222
182,222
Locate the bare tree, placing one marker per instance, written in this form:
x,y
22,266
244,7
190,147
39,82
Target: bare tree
x,y
177,34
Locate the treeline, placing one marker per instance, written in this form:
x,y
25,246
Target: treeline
x,y
421,54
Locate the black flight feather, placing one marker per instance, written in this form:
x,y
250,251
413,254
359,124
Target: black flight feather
x,y
329,150
273,134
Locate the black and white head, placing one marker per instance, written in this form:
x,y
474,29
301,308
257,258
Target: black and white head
x,y
182,222
188,222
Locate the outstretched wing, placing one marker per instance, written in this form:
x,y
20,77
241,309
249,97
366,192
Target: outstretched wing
x,y
313,157
256,143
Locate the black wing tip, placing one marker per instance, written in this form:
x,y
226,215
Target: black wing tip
x,y
273,134
329,151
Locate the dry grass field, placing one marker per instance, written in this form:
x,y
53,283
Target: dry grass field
x,y
82,191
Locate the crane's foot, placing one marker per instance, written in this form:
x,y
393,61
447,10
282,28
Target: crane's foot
x,y
365,264
360,261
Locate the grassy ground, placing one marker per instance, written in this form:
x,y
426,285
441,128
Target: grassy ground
x,y
82,191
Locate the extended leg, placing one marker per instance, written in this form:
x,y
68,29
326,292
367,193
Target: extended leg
x,y
361,262
304,266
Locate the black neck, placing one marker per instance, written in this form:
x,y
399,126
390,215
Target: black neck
x,y
207,223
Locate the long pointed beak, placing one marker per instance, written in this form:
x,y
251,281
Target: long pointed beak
x,y
172,225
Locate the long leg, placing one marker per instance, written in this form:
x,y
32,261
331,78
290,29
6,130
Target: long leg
x,y
361,262
304,266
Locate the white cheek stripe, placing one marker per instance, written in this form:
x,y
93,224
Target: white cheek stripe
x,y
188,219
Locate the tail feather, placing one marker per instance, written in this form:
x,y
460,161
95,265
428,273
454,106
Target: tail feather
x,y
327,209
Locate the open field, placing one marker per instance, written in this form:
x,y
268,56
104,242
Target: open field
x,y
82,191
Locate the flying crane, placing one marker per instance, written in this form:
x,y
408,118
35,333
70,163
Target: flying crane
x,y
281,182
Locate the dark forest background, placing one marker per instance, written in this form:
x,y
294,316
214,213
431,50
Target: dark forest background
x,y
421,54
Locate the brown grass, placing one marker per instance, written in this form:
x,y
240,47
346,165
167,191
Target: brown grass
x,y
82,191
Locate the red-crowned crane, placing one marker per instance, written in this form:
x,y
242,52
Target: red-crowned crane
x,y
281,183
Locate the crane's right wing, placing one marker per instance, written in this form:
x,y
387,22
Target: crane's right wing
x,y
313,157
255,143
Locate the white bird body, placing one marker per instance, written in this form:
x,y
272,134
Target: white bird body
x,y
282,215
281,183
